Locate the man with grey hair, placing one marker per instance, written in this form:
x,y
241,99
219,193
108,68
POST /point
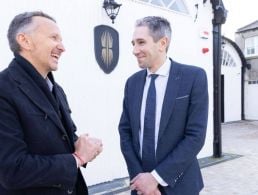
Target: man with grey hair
x,y
164,119
40,153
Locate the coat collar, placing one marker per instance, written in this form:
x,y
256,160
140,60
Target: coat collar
x,y
25,76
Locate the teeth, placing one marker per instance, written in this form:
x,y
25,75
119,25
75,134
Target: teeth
x,y
55,55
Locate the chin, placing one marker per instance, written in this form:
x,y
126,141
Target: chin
x,y
54,67
143,66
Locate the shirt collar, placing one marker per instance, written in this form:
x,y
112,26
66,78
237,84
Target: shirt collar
x,y
163,69
49,83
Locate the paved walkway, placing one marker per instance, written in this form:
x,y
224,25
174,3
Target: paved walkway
x,y
238,176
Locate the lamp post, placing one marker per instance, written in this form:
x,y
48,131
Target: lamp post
x,y
111,8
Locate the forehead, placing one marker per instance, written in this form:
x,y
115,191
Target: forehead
x,y
44,24
141,32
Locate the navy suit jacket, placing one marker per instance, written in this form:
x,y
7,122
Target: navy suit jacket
x,y
182,129
35,145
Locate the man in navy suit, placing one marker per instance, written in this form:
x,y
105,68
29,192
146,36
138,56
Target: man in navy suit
x,y
178,118
40,153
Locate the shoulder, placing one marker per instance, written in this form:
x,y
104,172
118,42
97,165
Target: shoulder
x,y
189,70
8,88
60,91
5,73
187,67
59,87
6,81
137,76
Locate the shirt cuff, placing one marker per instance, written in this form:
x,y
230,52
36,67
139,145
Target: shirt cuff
x,y
158,178
77,160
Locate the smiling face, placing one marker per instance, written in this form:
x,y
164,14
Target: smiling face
x,y
42,46
149,54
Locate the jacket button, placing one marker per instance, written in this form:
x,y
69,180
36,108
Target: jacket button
x,y
57,185
64,137
59,114
69,191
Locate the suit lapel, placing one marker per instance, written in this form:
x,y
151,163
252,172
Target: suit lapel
x,y
35,95
43,103
170,96
137,102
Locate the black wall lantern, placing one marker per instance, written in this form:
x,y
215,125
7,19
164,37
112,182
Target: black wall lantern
x,y
111,8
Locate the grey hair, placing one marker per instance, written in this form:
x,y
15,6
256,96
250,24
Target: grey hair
x,y
22,23
158,27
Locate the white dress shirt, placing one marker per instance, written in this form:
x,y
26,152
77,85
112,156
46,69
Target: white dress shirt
x,y
161,85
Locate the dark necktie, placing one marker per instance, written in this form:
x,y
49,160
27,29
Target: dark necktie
x,y
148,144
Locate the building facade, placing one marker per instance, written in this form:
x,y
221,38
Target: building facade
x,y
247,39
231,82
95,96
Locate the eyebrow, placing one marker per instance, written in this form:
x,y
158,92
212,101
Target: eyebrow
x,y
57,35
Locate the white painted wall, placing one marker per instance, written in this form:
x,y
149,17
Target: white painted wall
x,y
251,103
95,97
232,86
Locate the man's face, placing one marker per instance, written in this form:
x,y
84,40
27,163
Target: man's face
x,y
46,45
145,49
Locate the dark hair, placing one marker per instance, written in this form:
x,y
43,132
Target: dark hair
x,y
158,27
21,23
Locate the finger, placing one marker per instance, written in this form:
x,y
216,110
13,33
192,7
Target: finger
x,y
97,153
135,178
132,187
157,192
93,158
139,193
100,149
85,135
98,143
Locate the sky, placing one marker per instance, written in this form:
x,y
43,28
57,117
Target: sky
x,y
240,14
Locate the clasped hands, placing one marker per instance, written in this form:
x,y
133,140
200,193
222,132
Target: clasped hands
x,y
87,148
145,184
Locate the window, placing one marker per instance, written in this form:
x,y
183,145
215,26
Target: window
x,y
227,59
251,46
175,5
252,82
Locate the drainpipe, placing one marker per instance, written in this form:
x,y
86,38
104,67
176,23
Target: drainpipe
x,y
220,14
243,92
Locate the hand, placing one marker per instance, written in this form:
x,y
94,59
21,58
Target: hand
x,y
88,147
155,192
145,184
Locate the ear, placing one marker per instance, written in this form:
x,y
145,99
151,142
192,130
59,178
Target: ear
x,y
24,41
163,42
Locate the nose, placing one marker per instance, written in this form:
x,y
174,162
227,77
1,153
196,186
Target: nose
x,y
61,47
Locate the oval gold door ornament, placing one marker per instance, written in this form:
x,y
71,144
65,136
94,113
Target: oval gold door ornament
x,y
106,46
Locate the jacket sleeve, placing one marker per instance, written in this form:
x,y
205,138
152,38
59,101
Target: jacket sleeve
x,y
20,169
183,155
126,139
